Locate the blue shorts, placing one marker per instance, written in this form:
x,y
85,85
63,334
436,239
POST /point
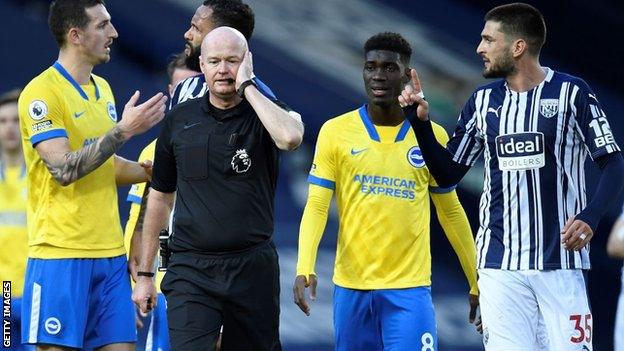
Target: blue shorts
x,y
16,345
388,319
78,302
154,336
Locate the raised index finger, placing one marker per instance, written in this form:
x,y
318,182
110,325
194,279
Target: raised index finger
x,y
415,81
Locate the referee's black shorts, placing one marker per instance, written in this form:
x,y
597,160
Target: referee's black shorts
x,y
238,291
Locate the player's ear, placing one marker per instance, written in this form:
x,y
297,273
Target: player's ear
x,y
201,63
518,47
74,35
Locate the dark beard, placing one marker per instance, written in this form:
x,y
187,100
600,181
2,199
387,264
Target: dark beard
x,y
192,60
504,68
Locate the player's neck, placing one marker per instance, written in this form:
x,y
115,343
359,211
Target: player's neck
x,y
390,116
76,66
12,158
526,77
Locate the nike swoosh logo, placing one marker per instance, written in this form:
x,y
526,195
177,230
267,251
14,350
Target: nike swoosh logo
x,y
78,114
355,152
187,126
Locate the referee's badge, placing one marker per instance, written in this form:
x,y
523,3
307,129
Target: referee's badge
x,y
241,162
415,157
549,107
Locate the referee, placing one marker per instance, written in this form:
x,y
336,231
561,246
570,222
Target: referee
x,y
218,155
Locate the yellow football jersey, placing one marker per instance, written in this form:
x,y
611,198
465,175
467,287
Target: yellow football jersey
x,y
381,184
80,220
13,233
135,196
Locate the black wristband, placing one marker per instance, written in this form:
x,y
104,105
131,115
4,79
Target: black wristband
x,y
245,84
145,274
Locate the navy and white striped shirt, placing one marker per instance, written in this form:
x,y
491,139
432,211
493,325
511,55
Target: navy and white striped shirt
x,y
195,87
534,145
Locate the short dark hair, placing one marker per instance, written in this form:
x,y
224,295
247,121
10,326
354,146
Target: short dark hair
x,y
389,41
520,20
232,13
66,14
10,96
176,61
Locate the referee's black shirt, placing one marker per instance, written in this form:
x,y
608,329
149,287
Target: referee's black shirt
x,y
224,166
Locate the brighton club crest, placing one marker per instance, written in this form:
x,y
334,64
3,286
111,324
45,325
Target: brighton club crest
x,y
241,161
549,107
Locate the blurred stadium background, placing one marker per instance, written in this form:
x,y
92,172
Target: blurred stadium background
x,y
309,53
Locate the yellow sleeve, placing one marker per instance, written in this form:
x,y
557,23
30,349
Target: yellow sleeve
x,y
323,171
131,224
312,227
41,113
135,197
457,229
322,181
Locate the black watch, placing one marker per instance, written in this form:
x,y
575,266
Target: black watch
x,y
241,89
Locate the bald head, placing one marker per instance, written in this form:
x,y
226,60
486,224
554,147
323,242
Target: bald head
x,y
224,38
222,52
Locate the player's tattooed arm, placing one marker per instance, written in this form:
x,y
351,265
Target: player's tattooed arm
x,y
68,166
141,218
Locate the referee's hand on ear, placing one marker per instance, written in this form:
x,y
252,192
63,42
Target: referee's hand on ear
x,y
301,283
144,294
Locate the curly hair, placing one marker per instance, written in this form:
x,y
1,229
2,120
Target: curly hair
x,y
391,42
232,13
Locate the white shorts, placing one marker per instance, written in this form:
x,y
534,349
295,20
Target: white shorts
x,y
618,332
535,310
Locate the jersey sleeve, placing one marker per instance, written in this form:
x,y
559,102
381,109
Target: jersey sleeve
x,y
312,226
264,89
282,105
592,123
136,192
323,171
443,139
41,113
456,227
164,177
466,145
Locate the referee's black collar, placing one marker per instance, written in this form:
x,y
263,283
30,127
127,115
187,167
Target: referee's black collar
x,y
240,109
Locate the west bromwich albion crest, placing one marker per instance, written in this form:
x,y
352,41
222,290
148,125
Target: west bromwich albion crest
x,y
549,107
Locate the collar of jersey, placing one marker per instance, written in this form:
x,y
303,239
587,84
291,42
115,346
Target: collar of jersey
x,y
372,131
549,75
57,65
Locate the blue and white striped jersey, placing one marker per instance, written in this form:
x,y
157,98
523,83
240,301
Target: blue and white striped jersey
x,y
534,145
194,87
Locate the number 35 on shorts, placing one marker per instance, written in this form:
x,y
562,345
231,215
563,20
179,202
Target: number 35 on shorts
x,y
582,327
